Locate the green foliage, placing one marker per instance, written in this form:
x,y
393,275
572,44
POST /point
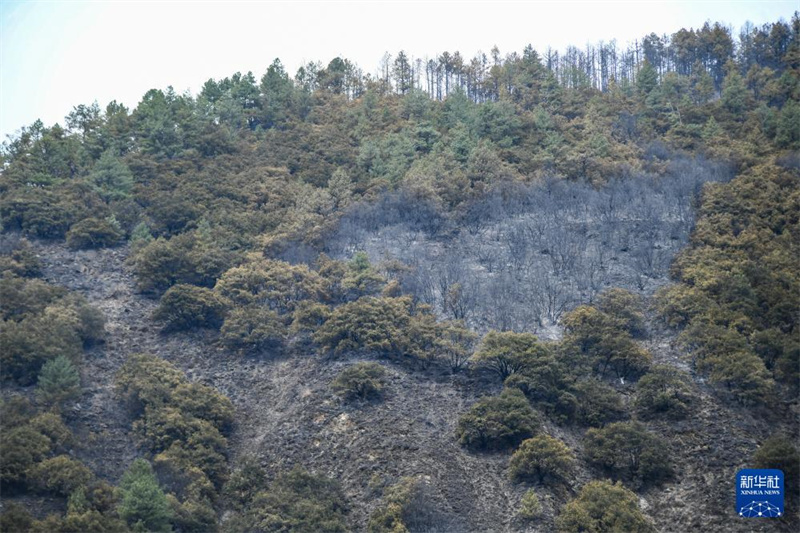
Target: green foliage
x,y
540,458
664,391
93,233
780,452
406,507
181,423
598,403
529,507
738,293
389,327
245,482
296,501
602,507
15,518
625,307
110,177
18,258
506,352
185,307
253,329
628,451
22,447
361,380
40,323
605,342
497,422
61,475
275,285
59,383
144,505
189,258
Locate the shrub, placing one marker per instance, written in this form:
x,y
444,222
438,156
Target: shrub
x,y
664,391
598,403
245,482
93,233
185,307
17,257
628,451
61,475
308,316
389,327
407,506
456,344
604,340
602,507
59,383
275,285
300,502
253,329
362,380
15,518
539,458
20,449
506,352
779,452
624,306
497,422
529,506
144,505
189,258
51,426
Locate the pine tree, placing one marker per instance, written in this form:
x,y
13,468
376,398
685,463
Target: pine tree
x,y
144,505
59,382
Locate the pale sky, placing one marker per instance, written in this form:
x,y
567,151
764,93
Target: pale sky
x,y
55,55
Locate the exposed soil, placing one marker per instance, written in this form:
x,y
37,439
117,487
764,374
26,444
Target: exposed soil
x,y
286,415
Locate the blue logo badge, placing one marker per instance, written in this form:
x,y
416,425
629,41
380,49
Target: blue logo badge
x,y
759,493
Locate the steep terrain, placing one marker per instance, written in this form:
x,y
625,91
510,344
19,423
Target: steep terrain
x,y
287,415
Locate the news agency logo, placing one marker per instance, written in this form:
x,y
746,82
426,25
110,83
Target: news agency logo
x,y
759,493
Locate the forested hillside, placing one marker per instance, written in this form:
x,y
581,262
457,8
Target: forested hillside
x,y
534,291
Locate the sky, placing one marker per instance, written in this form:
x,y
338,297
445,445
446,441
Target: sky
x,y
55,55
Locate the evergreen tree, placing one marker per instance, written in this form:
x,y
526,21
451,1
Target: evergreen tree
x,y
59,382
144,505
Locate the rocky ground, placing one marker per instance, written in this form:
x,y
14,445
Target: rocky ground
x,y
286,415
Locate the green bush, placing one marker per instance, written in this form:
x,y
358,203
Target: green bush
x,y
506,352
21,448
362,380
624,306
59,383
497,422
539,458
190,258
15,518
17,257
297,501
664,391
40,323
781,453
598,403
407,506
529,507
602,507
626,450
61,475
185,307
275,285
605,342
93,233
245,482
253,329
389,327
144,506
